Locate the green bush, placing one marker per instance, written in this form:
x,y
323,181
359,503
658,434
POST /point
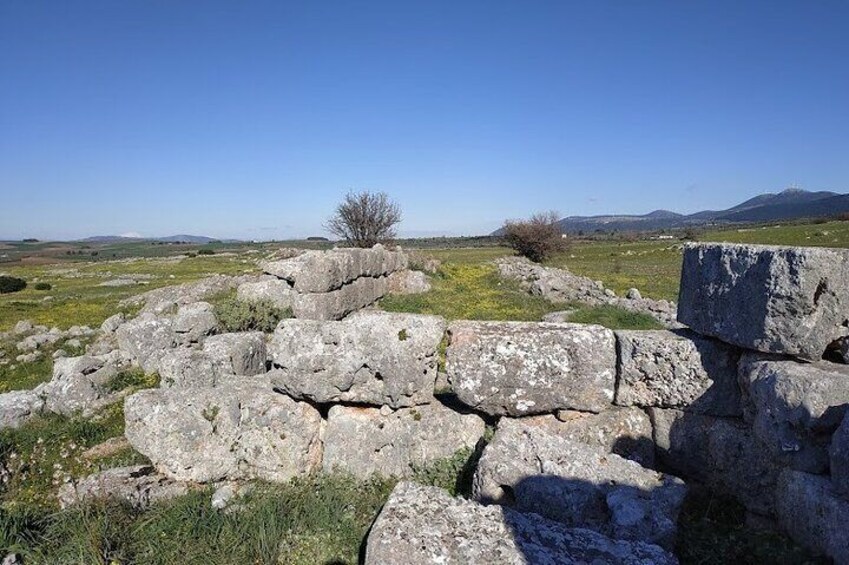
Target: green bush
x,y
42,286
236,315
11,284
206,252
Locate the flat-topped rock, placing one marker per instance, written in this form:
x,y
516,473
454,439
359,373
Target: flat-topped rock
x,y
146,339
790,300
194,322
337,304
240,430
578,484
677,369
421,525
374,358
323,271
795,407
139,486
18,407
524,368
269,289
239,353
367,441
81,385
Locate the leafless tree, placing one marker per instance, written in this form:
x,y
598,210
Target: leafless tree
x,y
536,238
365,218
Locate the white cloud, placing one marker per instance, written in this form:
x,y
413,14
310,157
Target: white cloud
x,y
131,234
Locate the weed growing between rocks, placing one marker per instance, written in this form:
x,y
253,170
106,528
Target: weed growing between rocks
x,y
241,316
614,318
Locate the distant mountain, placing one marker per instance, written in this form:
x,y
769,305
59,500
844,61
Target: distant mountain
x,y
789,204
194,239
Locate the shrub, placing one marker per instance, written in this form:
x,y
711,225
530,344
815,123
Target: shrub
x,y
42,286
11,284
241,316
536,238
206,252
364,219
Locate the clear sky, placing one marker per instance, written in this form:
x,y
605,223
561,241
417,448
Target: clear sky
x,y
251,119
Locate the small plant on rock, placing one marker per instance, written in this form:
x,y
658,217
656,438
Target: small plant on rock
x,y
536,238
236,315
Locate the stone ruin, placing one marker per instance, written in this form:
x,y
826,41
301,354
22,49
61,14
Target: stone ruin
x,y
599,434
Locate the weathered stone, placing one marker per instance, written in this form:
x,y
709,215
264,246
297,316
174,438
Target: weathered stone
x,y
146,339
721,453
366,441
627,432
268,289
337,304
408,282
35,341
369,358
168,298
839,453
633,294
19,406
22,327
424,525
324,271
795,407
194,322
242,353
241,430
140,486
112,323
523,368
80,385
184,368
813,516
677,369
790,300
577,484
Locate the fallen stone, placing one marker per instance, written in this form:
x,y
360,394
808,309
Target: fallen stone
x,y
241,353
421,525
146,339
789,300
81,385
577,484
633,294
112,323
268,289
677,369
186,368
367,441
241,430
369,358
721,453
140,486
408,282
627,432
523,368
22,327
337,304
168,298
813,516
18,407
194,322
795,407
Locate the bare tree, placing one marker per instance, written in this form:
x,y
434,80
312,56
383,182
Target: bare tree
x,y
365,218
536,238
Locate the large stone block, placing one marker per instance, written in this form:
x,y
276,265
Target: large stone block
x,y
194,322
578,484
184,368
677,369
721,453
367,441
241,353
81,385
324,271
269,289
139,486
795,407
791,300
146,339
627,432
18,407
813,516
523,368
424,525
369,358
337,304
241,430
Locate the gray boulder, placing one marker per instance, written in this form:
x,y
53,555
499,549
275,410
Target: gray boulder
x,y
112,323
241,430
186,368
22,327
677,369
369,358
839,452
523,368
578,484
721,453
168,298
367,441
324,271
795,407
81,385
814,517
268,289
242,353
421,525
790,300
627,432
19,406
408,282
337,304
194,322
140,486
146,339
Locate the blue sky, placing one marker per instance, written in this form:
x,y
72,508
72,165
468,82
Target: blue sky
x,y
251,119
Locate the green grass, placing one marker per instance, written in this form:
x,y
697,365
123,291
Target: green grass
x,y
614,318
22,376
